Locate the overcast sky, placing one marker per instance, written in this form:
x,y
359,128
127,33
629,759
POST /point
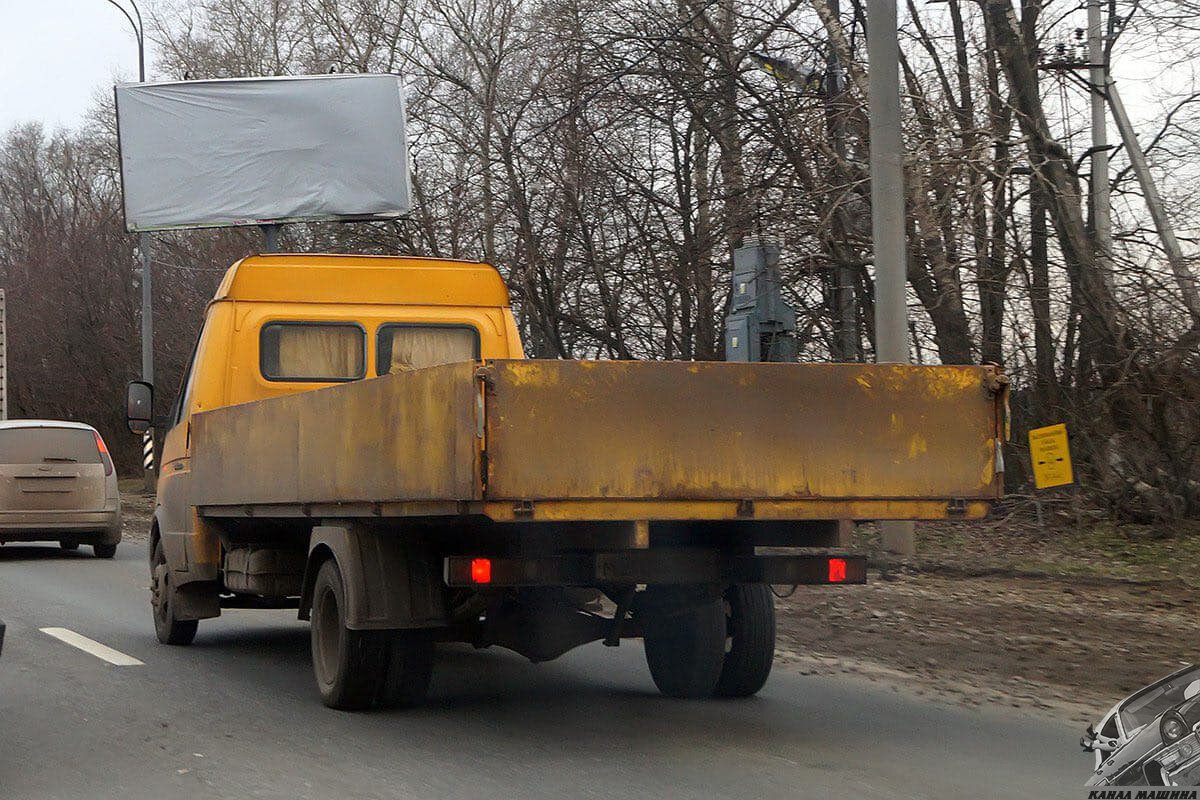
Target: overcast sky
x,y
55,55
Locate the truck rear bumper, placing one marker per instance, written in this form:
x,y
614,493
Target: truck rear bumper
x,y
667,566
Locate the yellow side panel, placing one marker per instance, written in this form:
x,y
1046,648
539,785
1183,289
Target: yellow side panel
x,y
686,430
411,436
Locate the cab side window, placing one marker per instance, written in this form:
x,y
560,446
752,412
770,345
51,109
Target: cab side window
x,y
401,348
184,397
322,352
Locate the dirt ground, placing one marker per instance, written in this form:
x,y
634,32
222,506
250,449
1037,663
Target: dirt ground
x,y
1068,616
1064,617
136,510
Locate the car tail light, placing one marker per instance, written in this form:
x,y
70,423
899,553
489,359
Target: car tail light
x,y
837,570
481,570
105,458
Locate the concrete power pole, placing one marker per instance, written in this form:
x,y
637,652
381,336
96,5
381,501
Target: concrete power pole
x,y
1101,206
887,211
846,336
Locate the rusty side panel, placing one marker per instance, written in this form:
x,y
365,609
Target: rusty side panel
x,y
405,437
679,430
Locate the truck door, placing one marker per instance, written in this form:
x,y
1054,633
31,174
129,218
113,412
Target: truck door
x,y
174,512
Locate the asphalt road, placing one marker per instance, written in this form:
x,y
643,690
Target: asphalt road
x,y
236,716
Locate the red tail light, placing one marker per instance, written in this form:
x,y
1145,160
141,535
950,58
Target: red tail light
x,y
837,570
481,570
104,456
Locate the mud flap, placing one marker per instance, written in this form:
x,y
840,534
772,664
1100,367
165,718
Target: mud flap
x,y
390,582
196,601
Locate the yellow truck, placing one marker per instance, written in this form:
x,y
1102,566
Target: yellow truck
x,y
361,437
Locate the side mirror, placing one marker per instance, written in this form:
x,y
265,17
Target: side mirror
x,y
139,406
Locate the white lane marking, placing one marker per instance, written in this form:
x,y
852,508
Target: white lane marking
x,y
100,651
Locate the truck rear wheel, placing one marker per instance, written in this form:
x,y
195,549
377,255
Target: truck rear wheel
x,y
349,665
685,644
750,626
168,629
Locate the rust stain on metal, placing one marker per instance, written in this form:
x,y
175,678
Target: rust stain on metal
x,y
403,437
673,431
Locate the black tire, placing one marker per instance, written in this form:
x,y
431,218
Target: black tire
x,y
104,550
685,644
69,545
168,629
409,669
349,665
750,626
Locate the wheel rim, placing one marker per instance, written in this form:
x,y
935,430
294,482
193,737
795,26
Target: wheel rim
x,y
160,595
327,626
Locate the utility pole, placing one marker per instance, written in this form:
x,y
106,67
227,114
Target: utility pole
x,y
1184,278
3,355
144,242
846,334
887,212
1098,74
149,473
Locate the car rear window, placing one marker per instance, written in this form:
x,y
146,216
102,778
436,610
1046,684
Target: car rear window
x,y
401,348
312,351
48,445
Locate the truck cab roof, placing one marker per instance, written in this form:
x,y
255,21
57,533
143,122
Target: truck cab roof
x,y
329,278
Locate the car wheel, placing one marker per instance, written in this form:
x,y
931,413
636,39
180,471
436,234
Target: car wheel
x,y
69,545
348,665
685,644
750,639
104,550
168,629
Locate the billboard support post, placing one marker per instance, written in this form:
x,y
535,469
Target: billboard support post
x,y
270,237
149,473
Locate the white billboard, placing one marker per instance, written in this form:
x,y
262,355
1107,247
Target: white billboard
x,y
251,151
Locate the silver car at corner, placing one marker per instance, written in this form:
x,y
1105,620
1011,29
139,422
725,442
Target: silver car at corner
x,y
57,483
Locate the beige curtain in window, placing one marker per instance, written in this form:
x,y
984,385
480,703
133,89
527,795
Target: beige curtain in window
x,y
320,351
419,347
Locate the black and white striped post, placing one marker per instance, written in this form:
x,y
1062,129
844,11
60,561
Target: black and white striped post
x,y
148,451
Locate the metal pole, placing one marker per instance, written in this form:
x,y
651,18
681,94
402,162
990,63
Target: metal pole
x,y
846,335
149,472
887,212
1101,206
270,234
3,355
1179,266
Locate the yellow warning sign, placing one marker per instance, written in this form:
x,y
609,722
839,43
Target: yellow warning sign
x,y
1051,456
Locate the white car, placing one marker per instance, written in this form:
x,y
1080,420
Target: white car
x,y
57,483
1130,715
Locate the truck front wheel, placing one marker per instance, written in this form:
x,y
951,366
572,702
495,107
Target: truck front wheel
x,y
168,629
750,624
349,665
685,643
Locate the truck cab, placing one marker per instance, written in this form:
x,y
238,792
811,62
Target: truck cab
x,y
282,324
